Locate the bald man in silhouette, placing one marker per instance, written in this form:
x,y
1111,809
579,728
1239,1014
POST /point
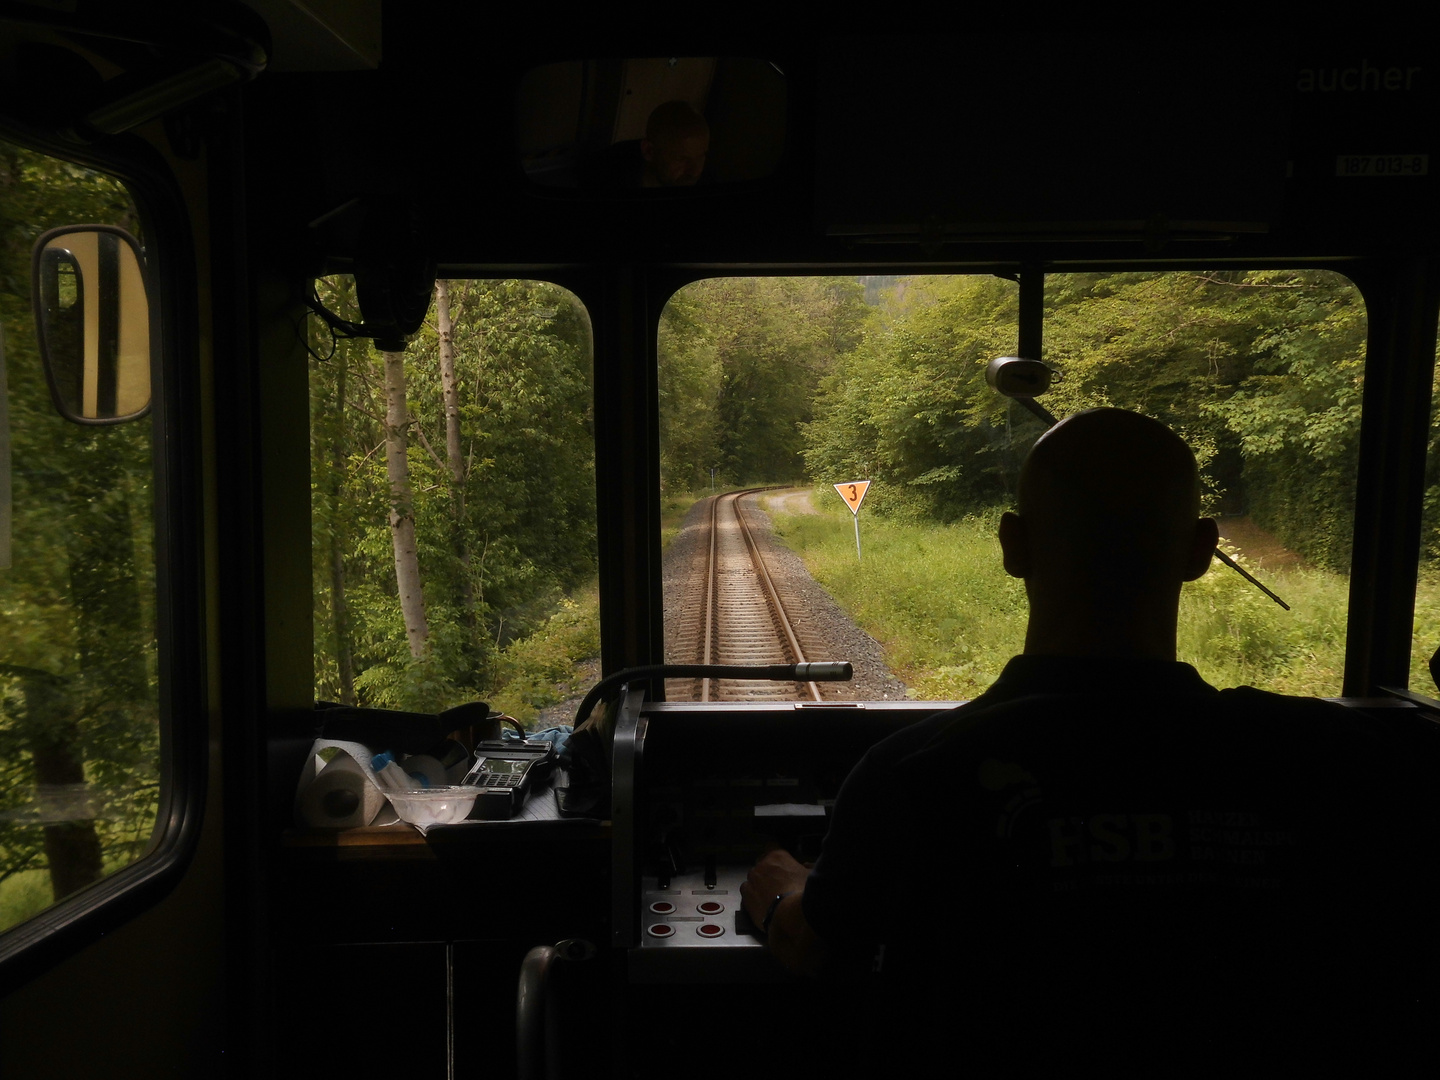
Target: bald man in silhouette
x,y
1103,855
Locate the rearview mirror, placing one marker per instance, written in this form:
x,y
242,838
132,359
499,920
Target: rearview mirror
x,y
1020,380
1015,378
651,127
92,318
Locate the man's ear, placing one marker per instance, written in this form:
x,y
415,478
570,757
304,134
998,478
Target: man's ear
x,y
1202,548
1014,544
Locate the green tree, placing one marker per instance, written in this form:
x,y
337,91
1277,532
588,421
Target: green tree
x,y
1260,371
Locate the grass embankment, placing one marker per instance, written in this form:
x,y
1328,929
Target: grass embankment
x,y
23,896
561,659
26,894
549,665
673,509
948,617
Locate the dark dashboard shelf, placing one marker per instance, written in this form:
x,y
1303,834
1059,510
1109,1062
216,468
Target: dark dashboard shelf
x,y
539,820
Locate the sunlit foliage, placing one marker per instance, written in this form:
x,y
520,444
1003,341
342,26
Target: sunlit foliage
x,y
1260,371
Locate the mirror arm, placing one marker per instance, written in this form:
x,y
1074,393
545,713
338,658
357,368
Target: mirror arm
x,y
1046,417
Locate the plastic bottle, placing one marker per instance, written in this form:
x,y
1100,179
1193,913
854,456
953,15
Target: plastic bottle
x,y
388,774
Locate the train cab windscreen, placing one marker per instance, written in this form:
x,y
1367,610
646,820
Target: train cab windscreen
x,y
837,435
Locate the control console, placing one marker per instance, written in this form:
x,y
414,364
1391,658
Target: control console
x,y
703,790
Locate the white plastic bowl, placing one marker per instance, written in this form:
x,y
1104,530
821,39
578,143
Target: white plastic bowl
x,y
424,807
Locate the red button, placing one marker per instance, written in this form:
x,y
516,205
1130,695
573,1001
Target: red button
x,y
709,929
661,930
663,907
710,907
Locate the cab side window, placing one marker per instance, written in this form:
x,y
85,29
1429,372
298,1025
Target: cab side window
x,y
80,737
1425,642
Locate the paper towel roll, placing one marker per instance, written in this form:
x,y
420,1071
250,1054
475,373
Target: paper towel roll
x,y
340,797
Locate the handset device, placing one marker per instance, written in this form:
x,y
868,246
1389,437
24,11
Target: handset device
x,y
506,771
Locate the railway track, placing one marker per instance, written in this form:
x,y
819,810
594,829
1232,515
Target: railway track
x,y
737,615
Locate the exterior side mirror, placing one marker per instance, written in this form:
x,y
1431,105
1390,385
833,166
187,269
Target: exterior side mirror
x,y
92,317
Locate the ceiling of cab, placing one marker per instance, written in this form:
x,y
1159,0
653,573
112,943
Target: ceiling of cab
x,y
322,35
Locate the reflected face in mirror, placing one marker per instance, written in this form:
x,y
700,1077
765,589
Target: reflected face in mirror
x,y
677,138
651,124
674,162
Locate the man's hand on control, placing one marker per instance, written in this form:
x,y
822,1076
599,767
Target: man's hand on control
x,y
777,873
774,874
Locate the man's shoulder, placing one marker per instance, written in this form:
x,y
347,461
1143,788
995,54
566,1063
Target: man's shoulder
x,y
1037,698
1267,703
1069,701
901,744
1398,741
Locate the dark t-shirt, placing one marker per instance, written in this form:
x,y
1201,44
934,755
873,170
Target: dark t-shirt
x,y
1211,866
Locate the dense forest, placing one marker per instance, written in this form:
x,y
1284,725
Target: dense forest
x,y
740,360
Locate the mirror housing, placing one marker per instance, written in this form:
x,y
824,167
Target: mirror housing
x,y
1020,380
394,274
93,321
1015,378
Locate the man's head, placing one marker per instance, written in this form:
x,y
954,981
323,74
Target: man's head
x,y
1108,524
677,138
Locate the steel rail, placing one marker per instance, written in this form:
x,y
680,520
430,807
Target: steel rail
x,y
780,619
711,585
776,606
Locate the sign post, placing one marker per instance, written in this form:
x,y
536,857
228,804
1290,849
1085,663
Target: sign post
x,y
854,494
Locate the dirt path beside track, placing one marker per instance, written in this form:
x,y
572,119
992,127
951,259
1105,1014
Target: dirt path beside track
x,y
1259,546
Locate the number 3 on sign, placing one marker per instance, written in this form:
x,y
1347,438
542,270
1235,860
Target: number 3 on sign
x,y
854,494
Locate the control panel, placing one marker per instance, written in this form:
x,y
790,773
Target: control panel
x,y
700,792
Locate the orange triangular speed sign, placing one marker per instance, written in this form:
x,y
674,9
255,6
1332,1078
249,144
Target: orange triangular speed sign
x,y
853,494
